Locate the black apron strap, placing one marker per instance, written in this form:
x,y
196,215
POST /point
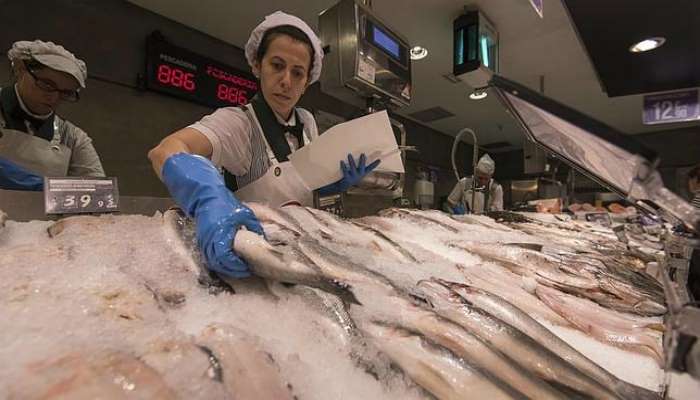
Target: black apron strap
x,y
487,196
273,130
230,181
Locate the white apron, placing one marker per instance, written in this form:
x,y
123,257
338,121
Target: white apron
x,y
479,200
281,185
46,158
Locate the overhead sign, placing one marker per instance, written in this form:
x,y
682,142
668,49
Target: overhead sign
x,y
671,107
76,195
185,74
538,5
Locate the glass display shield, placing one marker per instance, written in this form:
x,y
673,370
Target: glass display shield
x,y
614,160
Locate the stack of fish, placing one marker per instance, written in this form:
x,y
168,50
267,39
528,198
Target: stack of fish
x,y
480,313
449,307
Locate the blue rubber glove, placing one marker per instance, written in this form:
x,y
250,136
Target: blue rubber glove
x,y
199,189
14,177
458,210
352,175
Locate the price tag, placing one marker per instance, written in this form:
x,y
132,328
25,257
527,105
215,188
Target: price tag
x,y
332,204
366,70
602,218
76,195
671,107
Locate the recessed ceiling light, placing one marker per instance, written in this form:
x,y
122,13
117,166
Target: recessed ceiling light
x,y
647,44
418,52
478,95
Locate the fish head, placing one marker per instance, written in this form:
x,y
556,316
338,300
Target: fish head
x,y
461,288
437,292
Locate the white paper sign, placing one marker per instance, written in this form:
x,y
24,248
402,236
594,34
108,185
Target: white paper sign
x,y
318,163
365,70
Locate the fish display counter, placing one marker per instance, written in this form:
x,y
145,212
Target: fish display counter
x,y
404,304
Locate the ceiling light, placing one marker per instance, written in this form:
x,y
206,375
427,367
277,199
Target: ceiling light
x,y
647,44
418,52
478,95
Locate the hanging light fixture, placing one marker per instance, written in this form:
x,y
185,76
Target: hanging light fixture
x,y
478,94
647,44
418,52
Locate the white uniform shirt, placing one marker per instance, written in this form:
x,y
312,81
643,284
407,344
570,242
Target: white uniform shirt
x,y
464,184
229,131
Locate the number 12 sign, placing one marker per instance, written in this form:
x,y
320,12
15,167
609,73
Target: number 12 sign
x,y
670,107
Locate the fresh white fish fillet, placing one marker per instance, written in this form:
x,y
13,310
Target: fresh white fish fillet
x,y
511,287
604,324
573,275
248,371
356,234
270,215
394,309
269,262
436,370
512,315
514,344
337,268
87,375
328,228
573,237
136,284
191,370
307,221
529,263
420,218
491,276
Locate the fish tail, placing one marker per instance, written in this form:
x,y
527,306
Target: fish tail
x,y
633,392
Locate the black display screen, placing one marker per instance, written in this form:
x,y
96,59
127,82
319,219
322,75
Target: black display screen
x,y
182,73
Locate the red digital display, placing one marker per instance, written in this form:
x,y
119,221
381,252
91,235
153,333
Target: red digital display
x,y
179,72
175,77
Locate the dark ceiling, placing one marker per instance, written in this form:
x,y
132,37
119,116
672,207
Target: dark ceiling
x,y
608,28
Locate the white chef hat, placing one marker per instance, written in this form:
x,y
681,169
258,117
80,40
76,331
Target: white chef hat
x,y
51,55
278,18
486,165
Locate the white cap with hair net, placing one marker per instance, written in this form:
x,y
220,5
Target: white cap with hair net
x,y
51,55
486,165
279,18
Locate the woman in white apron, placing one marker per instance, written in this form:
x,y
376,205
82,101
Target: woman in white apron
x,y
34,141
251,144
489,193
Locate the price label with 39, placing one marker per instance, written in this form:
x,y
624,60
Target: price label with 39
x,y
74,195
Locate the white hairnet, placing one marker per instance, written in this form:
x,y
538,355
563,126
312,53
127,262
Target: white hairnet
x,y
51,55
486,165
279,18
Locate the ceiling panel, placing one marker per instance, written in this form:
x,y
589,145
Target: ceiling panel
x,y
608,29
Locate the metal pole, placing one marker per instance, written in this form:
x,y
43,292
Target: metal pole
x,y
402,129
474,160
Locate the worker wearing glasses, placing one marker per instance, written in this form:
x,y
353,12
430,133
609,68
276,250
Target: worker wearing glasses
x,y
34,141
